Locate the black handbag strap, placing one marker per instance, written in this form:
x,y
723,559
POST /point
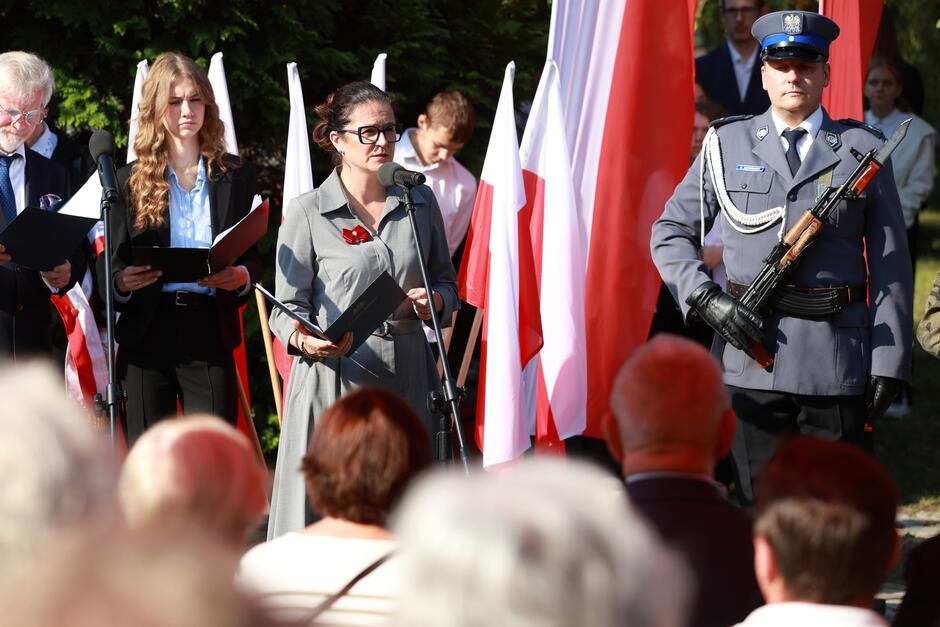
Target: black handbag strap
x,y
331,600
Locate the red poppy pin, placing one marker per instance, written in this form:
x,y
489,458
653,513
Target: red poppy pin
x,y
356,235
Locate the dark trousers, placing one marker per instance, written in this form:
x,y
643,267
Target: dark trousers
x,y
181,360
766,418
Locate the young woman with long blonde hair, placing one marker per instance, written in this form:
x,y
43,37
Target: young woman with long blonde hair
x,y
177,338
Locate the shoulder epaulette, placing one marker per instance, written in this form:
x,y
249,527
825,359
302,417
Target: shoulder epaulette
x,y
868,127
728,119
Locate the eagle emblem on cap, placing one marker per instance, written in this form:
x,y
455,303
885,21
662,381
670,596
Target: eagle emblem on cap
x,y
792,23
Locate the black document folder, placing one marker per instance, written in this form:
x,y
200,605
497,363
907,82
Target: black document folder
x,y
42,240
370,309
182,265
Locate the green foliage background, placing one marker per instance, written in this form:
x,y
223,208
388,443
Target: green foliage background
x,y
94,48
431,45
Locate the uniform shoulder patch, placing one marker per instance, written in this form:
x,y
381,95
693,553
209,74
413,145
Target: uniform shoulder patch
x,y
729,119
868,127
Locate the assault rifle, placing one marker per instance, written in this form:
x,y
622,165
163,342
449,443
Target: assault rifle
x,y
781,261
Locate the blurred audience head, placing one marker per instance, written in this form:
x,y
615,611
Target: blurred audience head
x,y
883,85
824,530
194,471
57,472
169,578
671,409
545,543
365,450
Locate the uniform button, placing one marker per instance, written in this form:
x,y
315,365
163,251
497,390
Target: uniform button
x,y
743,185
792,197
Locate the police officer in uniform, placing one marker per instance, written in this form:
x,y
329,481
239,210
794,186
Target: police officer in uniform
x,y
841,337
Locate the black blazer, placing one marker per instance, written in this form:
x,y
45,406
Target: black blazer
x,y
714,71
230,196
72,156
695,519
25,311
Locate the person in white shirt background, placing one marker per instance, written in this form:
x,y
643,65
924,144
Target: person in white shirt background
x,y
443,129
913,161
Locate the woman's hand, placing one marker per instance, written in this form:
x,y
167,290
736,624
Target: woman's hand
x,y
231,278
420,303
312,346
133,278
59,276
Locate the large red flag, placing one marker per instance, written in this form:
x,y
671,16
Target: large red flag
x,y
498,276
848,56
626,70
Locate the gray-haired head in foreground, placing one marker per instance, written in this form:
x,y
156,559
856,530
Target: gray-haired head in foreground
x,y
546,543
57,471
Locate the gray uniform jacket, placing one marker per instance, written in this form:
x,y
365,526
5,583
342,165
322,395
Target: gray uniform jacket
x,y
318,276
813,357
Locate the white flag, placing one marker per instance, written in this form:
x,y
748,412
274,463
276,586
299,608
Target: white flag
x,y
143,68
378,71
298,173
220,88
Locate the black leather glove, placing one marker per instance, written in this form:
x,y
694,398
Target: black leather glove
x,y
879,395
740,326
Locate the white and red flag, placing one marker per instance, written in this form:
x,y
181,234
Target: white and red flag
x,y
220,92
498,276
143,69
560,254
626,78
858,22
298,179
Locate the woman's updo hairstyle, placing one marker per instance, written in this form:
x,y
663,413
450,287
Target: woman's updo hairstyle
x,y
335,111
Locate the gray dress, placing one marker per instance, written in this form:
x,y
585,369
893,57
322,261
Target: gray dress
x,y
318,276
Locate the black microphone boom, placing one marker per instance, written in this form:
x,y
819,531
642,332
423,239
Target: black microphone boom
x,y
102,149
392,174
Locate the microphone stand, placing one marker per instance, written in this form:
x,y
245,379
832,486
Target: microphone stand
x,y
114,394
450,403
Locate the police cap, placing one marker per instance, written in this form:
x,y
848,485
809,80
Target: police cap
x,y
802,35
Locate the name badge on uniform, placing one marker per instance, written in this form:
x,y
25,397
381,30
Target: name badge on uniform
x,y
749,168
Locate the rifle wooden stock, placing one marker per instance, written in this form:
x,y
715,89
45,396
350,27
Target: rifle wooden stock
x,y
800,236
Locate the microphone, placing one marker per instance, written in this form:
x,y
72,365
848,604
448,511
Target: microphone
x,y
102,148
393,174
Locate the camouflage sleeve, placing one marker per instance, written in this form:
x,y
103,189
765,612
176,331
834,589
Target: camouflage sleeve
x,y
928,331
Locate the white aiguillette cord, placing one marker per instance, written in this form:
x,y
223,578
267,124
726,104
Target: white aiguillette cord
x,y
737,219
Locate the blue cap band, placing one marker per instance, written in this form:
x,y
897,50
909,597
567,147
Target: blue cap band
x,y
809,40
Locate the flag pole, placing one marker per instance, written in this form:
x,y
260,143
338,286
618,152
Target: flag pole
x,y
269,353
468,351
252,432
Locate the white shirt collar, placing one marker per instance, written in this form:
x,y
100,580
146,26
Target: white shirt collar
x,y
737,58
811,123
46,143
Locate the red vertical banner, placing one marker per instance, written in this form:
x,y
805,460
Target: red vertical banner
x,y
644,154
858,22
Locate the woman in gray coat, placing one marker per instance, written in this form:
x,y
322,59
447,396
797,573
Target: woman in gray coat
x,y
333,243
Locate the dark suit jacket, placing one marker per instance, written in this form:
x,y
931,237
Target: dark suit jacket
x,y
921,604
230,196
25,312
714,71
72,156
695,519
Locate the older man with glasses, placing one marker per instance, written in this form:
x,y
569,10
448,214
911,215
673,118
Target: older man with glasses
x,y
730,73
27,179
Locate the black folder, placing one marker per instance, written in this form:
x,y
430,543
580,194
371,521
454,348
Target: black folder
x,y
42,240
183,265
370,309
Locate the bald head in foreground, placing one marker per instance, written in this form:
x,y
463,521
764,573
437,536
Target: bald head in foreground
x,y
672,423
